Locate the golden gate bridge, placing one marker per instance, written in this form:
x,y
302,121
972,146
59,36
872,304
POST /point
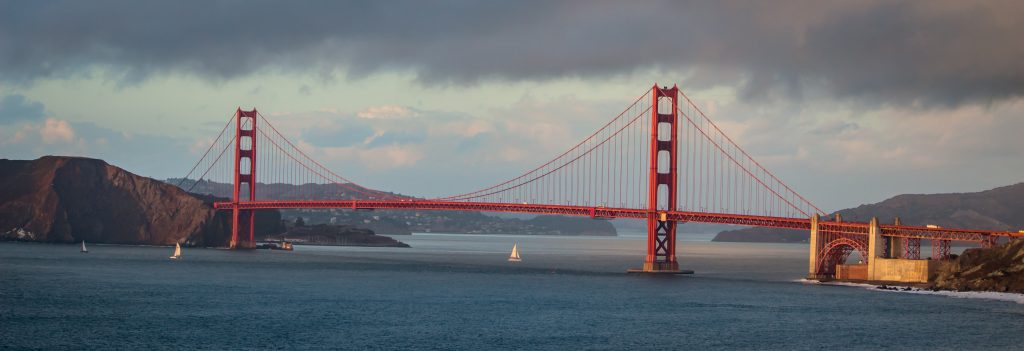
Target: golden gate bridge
x,y
661,160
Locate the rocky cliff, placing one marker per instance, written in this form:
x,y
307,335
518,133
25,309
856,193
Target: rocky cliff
x,y
998,269
69,199
996,209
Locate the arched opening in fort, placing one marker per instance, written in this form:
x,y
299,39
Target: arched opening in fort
x,y
838,251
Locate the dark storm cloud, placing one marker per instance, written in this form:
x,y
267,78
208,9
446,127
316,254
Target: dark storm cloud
x,y
928,52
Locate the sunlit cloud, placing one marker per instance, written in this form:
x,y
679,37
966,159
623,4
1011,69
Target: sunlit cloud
x,y
388,111
56,131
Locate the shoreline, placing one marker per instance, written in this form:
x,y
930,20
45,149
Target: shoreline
x,y
400,245
165,246
98,244
910,289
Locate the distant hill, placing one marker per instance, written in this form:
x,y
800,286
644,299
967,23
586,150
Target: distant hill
x,y
277,191
635,226
996,209
397,222
572,225
69,199
324,234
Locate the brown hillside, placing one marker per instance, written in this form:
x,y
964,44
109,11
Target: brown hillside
x,y
999,209
69,199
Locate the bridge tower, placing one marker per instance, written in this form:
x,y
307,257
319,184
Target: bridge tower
x,y
662,187
243,222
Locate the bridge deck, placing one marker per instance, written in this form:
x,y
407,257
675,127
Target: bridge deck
x,y
855,228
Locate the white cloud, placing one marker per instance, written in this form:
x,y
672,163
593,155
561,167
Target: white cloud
x,y
461,128
56,131
391,157
199,146
347,161
840,155
386,111
19,136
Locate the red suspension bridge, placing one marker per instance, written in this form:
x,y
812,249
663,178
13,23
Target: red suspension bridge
x,y
661,160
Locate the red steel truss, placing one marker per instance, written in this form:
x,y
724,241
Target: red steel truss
x,y
940,249
849,228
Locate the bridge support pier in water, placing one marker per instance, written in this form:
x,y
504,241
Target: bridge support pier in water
x,y
243,222
830,247
812,270
662,187
884,258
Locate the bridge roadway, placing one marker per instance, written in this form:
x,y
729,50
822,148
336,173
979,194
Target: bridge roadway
x,y
843,227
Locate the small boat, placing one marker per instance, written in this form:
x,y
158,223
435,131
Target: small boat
x,y
514,257
177,251
84,250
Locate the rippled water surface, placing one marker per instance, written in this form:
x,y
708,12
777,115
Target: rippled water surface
x,y
459,292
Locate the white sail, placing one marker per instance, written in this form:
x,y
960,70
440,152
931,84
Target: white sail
x,y
514,257
83,247
177,251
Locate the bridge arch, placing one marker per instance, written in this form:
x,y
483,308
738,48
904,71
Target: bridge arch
x,y
837,251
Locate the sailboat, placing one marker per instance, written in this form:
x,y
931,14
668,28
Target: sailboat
x,y
177,251
514,257
84,250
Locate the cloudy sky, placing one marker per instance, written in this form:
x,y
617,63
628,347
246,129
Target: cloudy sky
x,y
849,103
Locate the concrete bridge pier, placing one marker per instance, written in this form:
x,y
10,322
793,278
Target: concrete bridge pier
x,y
815,247
896,245
885,257
876,247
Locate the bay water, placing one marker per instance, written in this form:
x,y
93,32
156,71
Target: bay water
x,y
459,292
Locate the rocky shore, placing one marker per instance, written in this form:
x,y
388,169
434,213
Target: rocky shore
x,y
999,269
